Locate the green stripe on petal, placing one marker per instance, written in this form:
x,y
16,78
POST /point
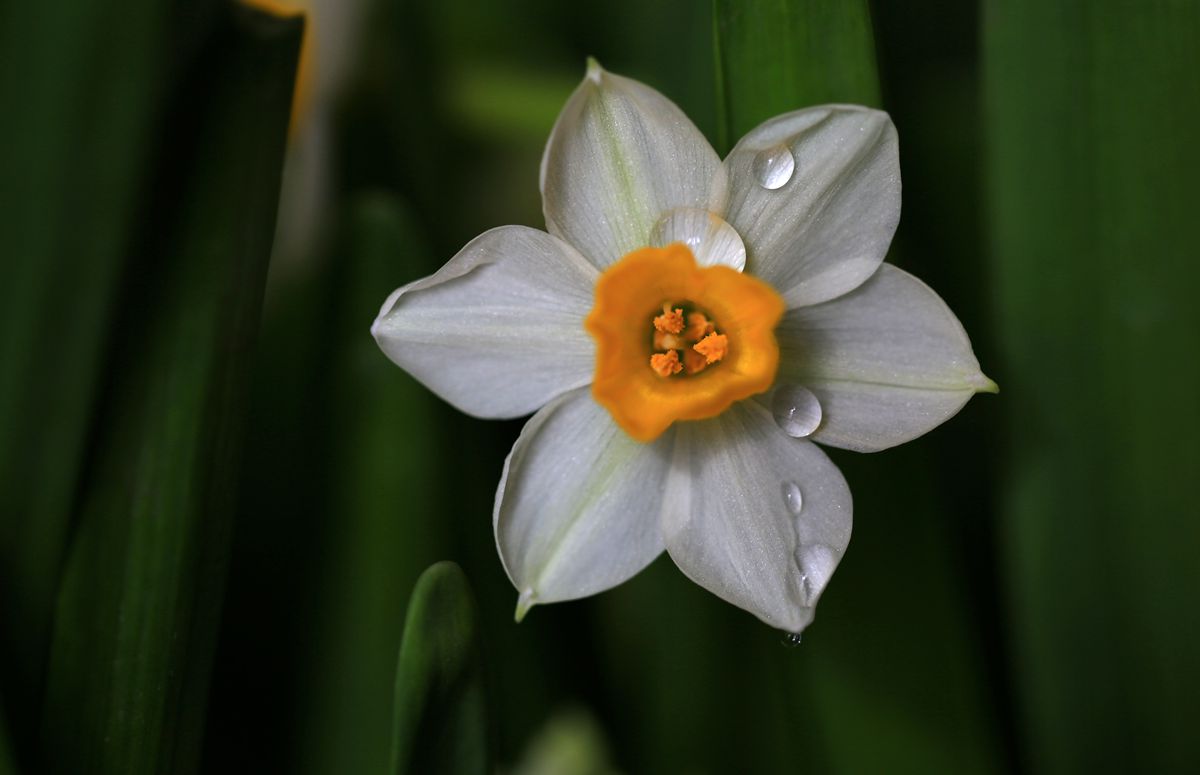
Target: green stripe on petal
x,y
888,362
620,156
815,195
756,517
578,507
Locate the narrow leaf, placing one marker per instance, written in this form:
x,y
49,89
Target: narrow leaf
x,y
82,95
383,465
779,55
138,605
1092,111
7,761
441,715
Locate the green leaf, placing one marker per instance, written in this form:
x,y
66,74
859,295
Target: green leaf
x,y
441,705
82,97
7,761
1092,111
774,56
383,464
139,601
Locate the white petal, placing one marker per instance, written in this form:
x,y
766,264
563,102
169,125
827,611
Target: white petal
x,y
754,516
711,240
578,509
888,362
620,156
815,195
497,331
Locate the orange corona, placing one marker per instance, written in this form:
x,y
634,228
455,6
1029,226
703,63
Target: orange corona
x,y
677,341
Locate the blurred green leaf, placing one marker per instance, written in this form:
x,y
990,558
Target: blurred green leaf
x,y
82,97
384,460
138,606
441,705
7,762
1092,110
774,56
507,103
570,743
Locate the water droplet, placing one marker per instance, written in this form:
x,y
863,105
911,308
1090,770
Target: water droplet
x,y
773,167
791,639
792,498
797,411
711,239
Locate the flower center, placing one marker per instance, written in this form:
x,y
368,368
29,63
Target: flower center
x,y
677,341
692,336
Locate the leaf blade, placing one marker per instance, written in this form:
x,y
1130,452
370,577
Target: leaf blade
x,y
138,605
440,722
1091,109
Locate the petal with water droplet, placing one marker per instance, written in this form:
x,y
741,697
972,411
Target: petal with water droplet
x,y
773,167
731,522
620,156
796,409
578,507
711,240
821,229
888,362
497,331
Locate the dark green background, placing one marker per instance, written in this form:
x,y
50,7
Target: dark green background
x,y
210,527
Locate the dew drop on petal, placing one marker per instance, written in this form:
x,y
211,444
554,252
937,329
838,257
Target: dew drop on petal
x,y
791,639
711,239
773,167
797,411
792,498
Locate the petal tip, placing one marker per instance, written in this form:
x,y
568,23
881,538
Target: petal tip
x,y
525,601
594,70
983,384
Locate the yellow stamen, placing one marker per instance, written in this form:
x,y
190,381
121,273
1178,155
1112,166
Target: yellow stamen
x,y
666,364
713,347
670,321
682,383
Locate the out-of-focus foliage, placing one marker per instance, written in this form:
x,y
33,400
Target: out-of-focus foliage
x,y
773,57
1091,116
440,722
135,624
83,101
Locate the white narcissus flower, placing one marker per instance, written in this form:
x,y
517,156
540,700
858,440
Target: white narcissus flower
x,y
685,332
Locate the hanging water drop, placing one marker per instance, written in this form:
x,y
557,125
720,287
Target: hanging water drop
x,y
796,409
792,498
791,639
773,167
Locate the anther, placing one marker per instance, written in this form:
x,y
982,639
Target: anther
x,y
713,347
666,364
670,321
